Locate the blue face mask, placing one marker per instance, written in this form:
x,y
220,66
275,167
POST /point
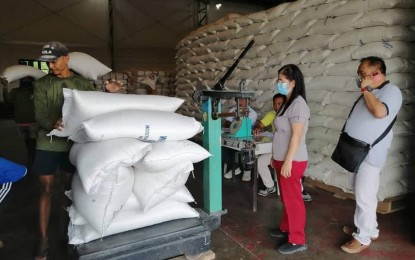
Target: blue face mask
x,y
282,88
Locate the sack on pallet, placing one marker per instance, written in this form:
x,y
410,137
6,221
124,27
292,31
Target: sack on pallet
x,y
82,105
95,161
144,125
182,195
130,219
16,72
87,66
100,208
167,154
152,188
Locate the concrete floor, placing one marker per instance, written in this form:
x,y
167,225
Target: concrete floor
x,y
242,235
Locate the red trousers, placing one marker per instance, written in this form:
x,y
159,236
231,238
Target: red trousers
x,y
294,216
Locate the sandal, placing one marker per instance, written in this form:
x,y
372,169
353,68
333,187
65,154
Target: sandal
x,y
43,250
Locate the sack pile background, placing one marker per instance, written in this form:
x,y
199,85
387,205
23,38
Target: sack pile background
x,y
326,39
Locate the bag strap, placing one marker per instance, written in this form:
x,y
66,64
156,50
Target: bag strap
x,y
351,110
384,132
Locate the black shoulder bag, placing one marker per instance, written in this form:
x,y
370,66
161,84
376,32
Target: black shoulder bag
x,y
350,152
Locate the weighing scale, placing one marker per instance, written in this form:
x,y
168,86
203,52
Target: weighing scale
x,y
183,236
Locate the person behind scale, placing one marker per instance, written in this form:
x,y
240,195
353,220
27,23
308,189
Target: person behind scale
x,y
228,153
264,159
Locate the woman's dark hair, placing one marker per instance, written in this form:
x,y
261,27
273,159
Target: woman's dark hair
x,y
377,62
292,72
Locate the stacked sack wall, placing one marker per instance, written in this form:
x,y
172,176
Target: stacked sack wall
x,y
326,39
138,81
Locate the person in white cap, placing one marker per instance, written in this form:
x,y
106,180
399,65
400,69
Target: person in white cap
x,y
52,155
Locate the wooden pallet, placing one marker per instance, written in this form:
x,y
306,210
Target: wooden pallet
x,y
389,205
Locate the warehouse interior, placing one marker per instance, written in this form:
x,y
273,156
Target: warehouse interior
x,y
174,48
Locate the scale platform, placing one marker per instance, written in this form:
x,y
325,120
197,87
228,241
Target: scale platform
x,y
166,240
262,143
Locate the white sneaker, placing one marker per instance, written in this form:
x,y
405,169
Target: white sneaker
x,y
246,176
267,191
228,175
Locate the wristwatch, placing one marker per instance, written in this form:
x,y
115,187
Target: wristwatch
x,y
367,88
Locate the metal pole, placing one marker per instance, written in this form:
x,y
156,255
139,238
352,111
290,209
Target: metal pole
x,y
111,33
212,167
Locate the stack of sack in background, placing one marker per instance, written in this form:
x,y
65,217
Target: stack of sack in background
x,y
82,63
326,39
132,158
151,81
117,76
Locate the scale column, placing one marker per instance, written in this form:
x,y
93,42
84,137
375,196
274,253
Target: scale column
x,y
212,166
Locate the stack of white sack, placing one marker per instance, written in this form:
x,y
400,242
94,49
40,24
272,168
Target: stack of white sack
x,y
123,183
80,106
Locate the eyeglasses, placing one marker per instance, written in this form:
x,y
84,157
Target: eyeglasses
x,y
374,74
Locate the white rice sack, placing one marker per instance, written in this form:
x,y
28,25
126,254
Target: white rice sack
x,y
99,209
131,203
316,145
343,69
358,6
316,55
317,95
314,13
318,41
275,49
83,105
336,111
144,125
182,195
266,38
131,219
385,50
95,161
318,120
402,80
293,58
252,29
294,7
386,17
373,34
334,24
315,107
323,134
398,64
312,69
276,11
326,82
75,217
152,188
17,72
294,32
334,123
279,23
340,55
167,154
87,66
342,98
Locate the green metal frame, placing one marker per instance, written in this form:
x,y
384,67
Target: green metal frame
x,y
212,167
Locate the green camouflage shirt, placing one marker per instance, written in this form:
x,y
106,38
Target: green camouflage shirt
x,y
48,100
